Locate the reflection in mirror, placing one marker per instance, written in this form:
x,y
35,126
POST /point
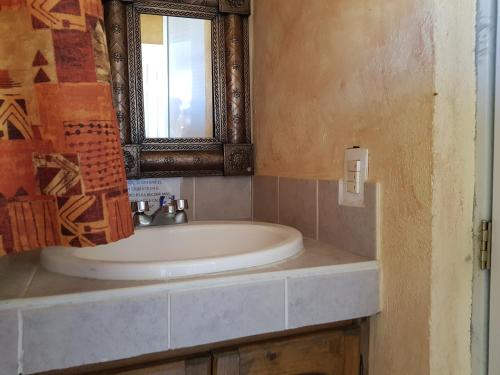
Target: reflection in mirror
x,y
177,77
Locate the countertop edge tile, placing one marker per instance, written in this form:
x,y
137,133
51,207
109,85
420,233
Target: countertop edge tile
x,y
109,330
222,313
9,341
332,297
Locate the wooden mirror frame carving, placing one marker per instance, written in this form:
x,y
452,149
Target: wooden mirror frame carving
x,y
230,152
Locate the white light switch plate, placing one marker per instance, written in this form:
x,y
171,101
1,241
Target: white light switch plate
x,y
352,193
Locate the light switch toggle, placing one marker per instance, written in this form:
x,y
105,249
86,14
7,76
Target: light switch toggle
x,y
353,176
353,182
353,165
352,187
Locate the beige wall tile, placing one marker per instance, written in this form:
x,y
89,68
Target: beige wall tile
x,y
352,229
297,205
265,198
223,198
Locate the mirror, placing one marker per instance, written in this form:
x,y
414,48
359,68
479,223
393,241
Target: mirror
x,y
177,76
181,86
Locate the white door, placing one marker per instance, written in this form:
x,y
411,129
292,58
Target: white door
x,y
494,311
494,316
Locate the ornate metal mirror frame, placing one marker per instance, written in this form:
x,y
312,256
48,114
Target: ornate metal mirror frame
x,y
230,152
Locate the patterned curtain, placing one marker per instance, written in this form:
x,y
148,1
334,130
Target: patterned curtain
x,y
62,178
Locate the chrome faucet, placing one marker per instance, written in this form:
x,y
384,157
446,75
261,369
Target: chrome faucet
x,y
140,218
169,213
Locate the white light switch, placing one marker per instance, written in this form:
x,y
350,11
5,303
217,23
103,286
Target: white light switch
x,y
352,187
353,176
353,165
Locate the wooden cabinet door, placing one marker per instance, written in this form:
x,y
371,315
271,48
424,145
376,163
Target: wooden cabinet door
x,y
327,353
195,366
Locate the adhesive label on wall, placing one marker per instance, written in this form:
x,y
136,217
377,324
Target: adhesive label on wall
x,y
151,189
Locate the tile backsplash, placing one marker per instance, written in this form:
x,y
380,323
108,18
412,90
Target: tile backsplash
x,y
210,198
309,205
312,207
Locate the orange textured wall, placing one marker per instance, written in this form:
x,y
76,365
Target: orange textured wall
x,y
329,74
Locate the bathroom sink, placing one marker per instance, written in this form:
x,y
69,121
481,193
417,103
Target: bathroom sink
x,y
178,250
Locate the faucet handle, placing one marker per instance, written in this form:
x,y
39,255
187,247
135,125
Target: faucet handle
x,y
171,208
139,206
182,204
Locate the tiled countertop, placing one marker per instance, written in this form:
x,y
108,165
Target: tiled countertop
x,y
50,321
22,277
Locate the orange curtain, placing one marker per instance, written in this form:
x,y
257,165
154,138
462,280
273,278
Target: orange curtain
x,y
62,178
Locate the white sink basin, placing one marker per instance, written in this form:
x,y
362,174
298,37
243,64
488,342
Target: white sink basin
x,y
178,250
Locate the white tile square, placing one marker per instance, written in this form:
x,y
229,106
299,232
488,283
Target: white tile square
x,y
332,298
8,342
227,312
77,334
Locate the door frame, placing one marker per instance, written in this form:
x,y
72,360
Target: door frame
x,y
486,50
488,112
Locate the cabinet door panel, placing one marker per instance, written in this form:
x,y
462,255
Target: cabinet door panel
x,y
227,363
329,353
199,366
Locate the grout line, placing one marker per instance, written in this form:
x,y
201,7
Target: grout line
x,y
278,198
194,198
378,220
286,303
19,342
317,210
168,320
30,280
251,197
